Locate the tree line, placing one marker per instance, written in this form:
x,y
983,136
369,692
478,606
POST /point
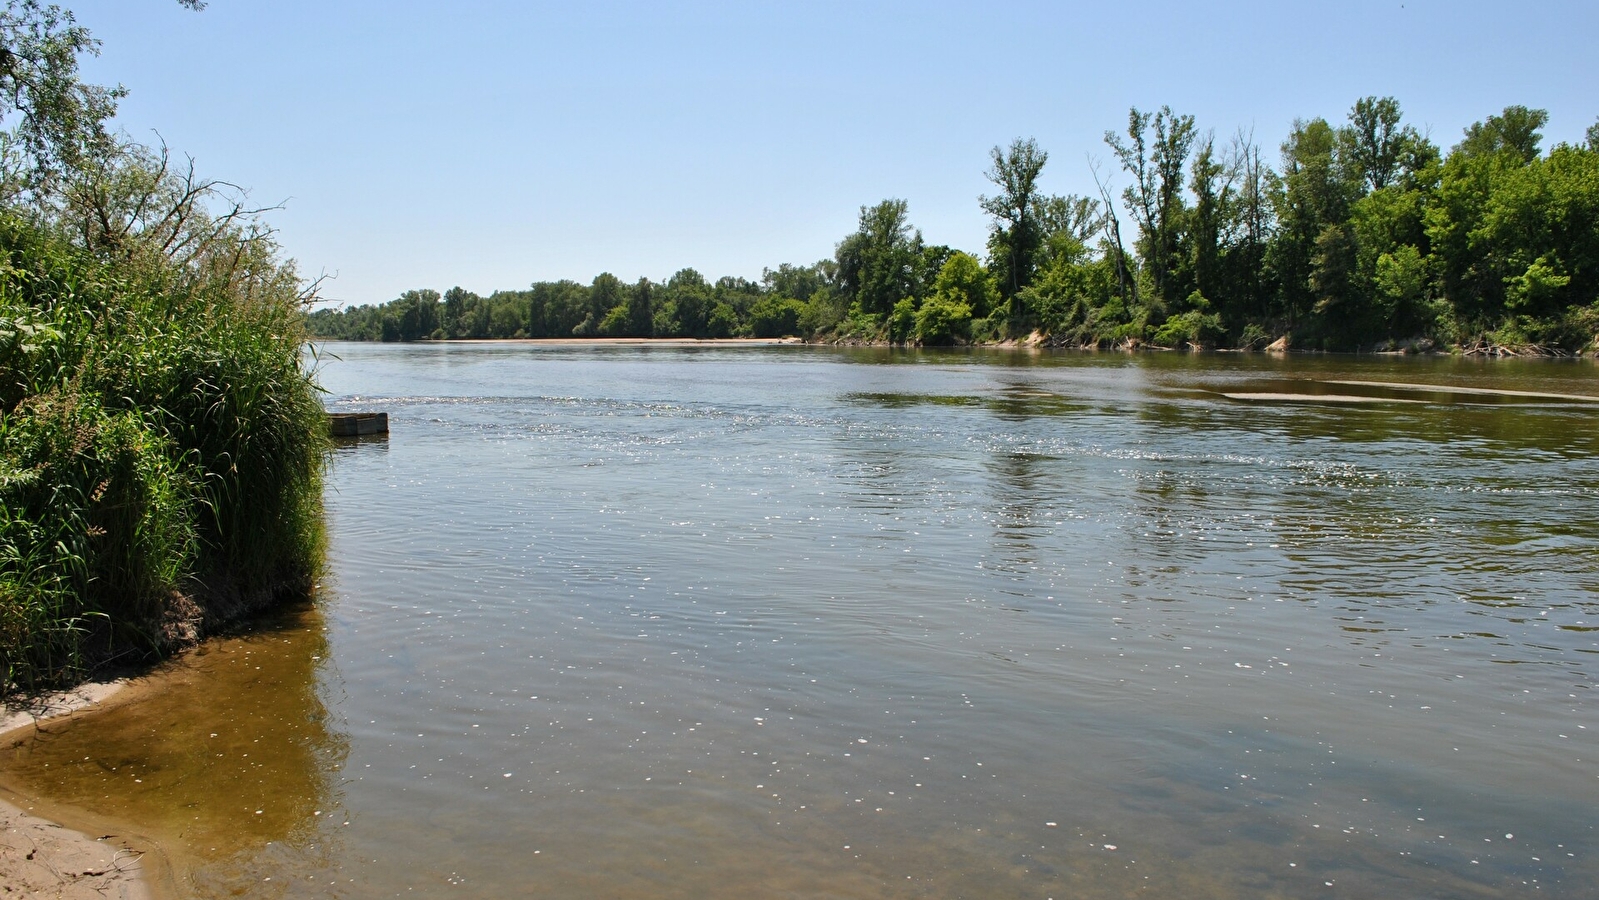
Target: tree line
x,y
1361,235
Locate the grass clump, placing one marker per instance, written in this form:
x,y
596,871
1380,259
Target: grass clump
x,y
161,448
161,436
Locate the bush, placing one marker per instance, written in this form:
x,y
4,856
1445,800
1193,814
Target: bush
x,y
722,322
902,321
984,330
772,317
862,325
1253,337
823,312
1198,326
161,451
941,321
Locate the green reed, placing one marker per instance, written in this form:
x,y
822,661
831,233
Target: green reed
x,y
161,451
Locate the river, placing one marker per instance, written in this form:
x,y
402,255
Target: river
x,y
790,621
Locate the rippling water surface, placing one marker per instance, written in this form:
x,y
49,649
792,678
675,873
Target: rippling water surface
x,y
652,622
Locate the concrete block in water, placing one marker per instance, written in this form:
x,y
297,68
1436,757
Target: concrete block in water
x,y
357,424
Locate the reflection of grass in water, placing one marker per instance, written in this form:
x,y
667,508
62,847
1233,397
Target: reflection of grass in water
x,y
1036,404
901,401
1017,404
221,752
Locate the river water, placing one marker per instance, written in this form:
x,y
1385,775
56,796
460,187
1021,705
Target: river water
x,y
784,621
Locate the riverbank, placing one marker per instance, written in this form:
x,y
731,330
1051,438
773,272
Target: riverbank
x,y
1032,341
162,477
626,342
220,753
42,858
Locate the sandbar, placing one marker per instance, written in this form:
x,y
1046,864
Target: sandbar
x,y
1451,389
41,858
1316,398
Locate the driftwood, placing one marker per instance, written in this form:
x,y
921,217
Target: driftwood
x,y
1482,346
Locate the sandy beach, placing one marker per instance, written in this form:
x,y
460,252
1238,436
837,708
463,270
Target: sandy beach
x,y
40,858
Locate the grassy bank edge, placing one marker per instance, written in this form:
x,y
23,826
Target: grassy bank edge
x,y
162,447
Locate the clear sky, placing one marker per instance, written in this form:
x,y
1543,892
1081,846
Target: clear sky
x,y
492,143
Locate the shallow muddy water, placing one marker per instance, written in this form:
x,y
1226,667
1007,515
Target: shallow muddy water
x,y
651,622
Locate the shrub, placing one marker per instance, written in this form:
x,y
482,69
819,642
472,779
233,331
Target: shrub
x,y
772,317
941,321
161,450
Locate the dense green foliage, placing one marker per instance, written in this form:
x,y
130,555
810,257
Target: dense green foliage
x,y
1365,236
161,440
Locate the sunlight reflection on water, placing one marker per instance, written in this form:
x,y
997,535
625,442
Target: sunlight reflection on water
x,y
639,622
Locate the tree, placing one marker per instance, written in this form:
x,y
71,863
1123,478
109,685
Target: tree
x,y
813,286
1517,238
1246,258
1348,198
1312,195
962,281
1380,152
798,282
61,120
1514,130
455,306
940,321
933,258
739,295
418,314
686,308
1156,196
1213,209
879,265
504,318
1375,140
1126,278
1472,260
109,195
1080,218
1365,233
1389,283
556,307
605,294
1332,269
640,309
1016,235
775,316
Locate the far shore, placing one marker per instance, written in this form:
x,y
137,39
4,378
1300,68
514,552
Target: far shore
x,y
43,858
619,341
1034,341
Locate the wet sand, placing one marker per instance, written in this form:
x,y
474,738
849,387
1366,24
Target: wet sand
x,y
117,764
40,858
1448,389
1269,396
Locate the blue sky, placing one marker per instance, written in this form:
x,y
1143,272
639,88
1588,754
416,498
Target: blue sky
x,y
493,144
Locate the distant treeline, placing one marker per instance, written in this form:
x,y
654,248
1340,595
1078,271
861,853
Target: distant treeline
x,y
1363,236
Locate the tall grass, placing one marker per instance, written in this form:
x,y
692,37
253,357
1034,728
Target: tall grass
x,y
161,450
